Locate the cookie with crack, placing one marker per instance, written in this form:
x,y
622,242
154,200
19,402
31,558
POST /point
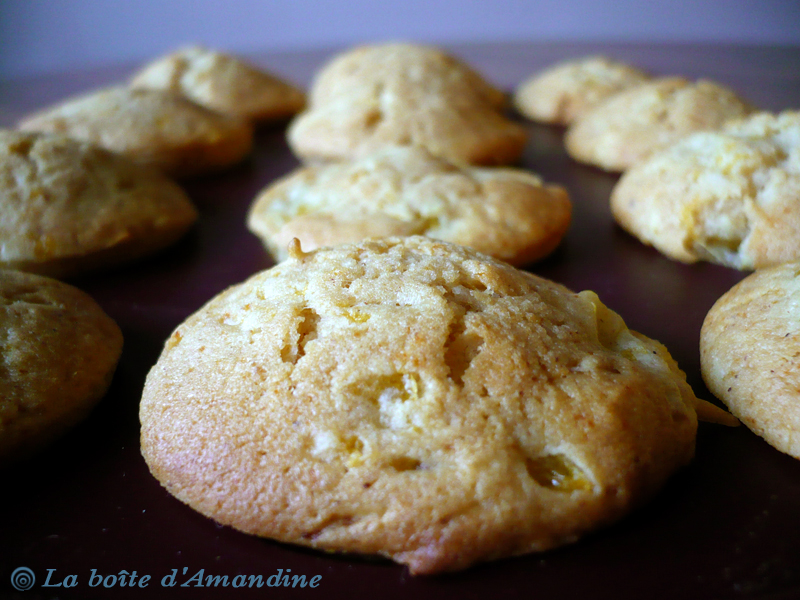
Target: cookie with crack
x,y
413,399
637,122
152,127
404,95
223,83
730,197
507,213
749,349
561,93
59,353
67,207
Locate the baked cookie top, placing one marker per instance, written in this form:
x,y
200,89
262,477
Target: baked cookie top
x,y
59,352
414,399
730,197
400,95
153,127
68,207
637,122
563,92
223,83
507,213
749,349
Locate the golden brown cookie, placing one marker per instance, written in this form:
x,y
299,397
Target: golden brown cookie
x,y
506,213
750,354
637,122
414,399
730,197
152,127
223,83
59,351
68,207
562,93
404,95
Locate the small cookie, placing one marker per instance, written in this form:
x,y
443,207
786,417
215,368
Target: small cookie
x,y
414,399
567,90
506,213
635,123
59,351
730,197
223,83
152,127
68,207
749,349
403,95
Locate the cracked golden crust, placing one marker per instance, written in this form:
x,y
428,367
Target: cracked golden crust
x,y
414,399
223,83
563,92
635,123
730,197
401,95
68,207
750,354
506,213
59,351
152,127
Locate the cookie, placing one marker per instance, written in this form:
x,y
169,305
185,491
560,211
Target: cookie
x,y
404,95
59,352
749,349
567,90
67,207
730,197
637,122
413,399
507,213
152,127
223,83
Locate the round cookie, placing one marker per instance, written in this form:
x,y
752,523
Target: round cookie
x,y
506,213
730,197
152,127
749,349
567,90
59,352
402,95
68,207
637,122
223,83
414,399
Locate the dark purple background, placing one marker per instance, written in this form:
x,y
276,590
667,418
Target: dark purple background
x,y
726,527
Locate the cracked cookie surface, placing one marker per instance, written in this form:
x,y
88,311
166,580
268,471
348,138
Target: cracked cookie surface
x,y
153,127
413,399
506,213
404,95
223,83
68,207
632,125
730,197
561,93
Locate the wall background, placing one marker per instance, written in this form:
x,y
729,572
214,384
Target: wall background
x,y
45,36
